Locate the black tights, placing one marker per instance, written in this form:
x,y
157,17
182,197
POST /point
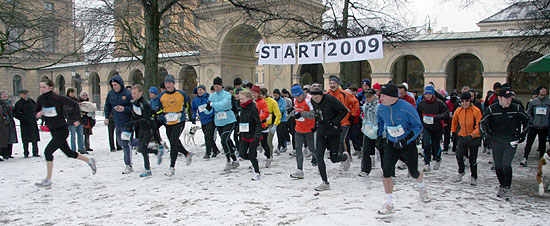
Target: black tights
x,y
59,141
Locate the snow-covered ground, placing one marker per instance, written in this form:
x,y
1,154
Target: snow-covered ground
x,y
201,194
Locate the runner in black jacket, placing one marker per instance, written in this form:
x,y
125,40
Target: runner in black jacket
x,y
54,108
505,125
249,130
329,113
143,118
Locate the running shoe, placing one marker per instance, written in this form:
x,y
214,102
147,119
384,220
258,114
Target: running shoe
x,y
235,165
188,159
437,164
297,175
171,172
500,192
323,187
228,166
46,183
387,210
523,162
146,173
363,174
346,163
459,177
127,170
256,177
473,181
267,163
423,193
427,168
91,163
401,165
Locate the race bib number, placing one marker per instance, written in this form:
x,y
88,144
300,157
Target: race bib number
x,y
395,131
244,127
221,115
540,111
172,117
126,135
369,126
202,108
137,110
49,112
428,120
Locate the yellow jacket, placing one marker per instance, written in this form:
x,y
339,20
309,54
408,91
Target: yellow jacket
x,y
273,110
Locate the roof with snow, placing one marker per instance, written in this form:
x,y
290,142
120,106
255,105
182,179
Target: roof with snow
x,y
465,35
518,11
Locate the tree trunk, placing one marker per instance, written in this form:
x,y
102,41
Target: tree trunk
x,y
152,33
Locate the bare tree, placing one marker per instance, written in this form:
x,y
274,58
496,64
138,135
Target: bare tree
x,y
31,33
139,29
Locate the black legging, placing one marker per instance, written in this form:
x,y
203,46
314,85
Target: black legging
x,y
265,146
282,134
249,150
329,143
227,144
144,136
59,141
173,132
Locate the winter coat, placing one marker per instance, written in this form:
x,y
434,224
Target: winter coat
x,y
370,121
282,108
538,111
328,116
433,114
122,98
306,121
402,114
349,101
274,112
24,111
249,115
8,133
199,102
61,108
263,111
507,124
143,115
222,105
468,119
88,115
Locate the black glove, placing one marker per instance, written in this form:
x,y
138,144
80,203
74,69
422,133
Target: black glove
x,y
467,139
209,106
379,142
314,129
400,144
298,115
193,121
288,111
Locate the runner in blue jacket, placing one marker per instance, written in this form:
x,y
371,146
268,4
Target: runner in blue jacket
x,y
207,121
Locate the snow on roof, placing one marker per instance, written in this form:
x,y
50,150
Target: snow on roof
x,y
466,35
123,59
514,12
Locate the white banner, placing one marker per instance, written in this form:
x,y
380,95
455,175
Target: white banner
x,y
331,51
310,53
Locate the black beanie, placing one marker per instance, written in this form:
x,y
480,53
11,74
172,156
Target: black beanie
x,y
277,91
465,96
218,81
390,90
237,81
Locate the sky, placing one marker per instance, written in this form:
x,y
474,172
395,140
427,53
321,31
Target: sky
x,y
451,14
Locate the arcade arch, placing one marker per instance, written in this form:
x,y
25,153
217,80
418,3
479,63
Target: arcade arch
x,y
311,73
464,70
523,83
409,69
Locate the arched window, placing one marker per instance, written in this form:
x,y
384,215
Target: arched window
x,y
17,85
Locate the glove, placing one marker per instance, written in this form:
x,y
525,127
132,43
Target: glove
x,y
468,139
288,111
314,129
297,115
273,129
400,144
194,121
379,142
209,106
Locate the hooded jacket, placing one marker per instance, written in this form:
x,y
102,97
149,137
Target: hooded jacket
x,y
199,103
122,98
349,101
274,112
222,105
281,102
538,111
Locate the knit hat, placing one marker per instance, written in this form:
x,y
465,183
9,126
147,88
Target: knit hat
x,y
218,81
406,85
366,81
169,78
195,91
497,85
429,90
296,90
255,89
390,89
539,88
201,87
465,96
360,90
237,81
334,79
277,91
154,90
376,86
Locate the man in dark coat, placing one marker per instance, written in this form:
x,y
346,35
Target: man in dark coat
x,y
24,111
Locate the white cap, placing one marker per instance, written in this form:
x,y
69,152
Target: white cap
x,y
406,85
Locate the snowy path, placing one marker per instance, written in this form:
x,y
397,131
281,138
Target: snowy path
x,y
201,195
